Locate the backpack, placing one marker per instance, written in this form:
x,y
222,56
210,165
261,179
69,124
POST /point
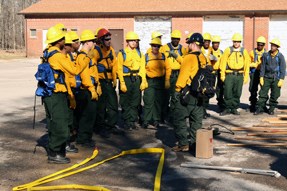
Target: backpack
x,y
252,70
269,60
147,58
179,48
231,51
77,77
204,82
45,76
126,69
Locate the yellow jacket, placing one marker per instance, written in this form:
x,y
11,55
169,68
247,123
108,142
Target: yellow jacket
x,y
256,63
206,53
235,61
218,54
62,62
157,66
90,71
174,63
133,61
108,61
188,70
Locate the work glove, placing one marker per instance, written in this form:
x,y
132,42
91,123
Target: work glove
x,y
172,54
144,85
115,82
253,65
94,95
261,81
167,84
99,90
280,83
212,57
91,54
245,80
123,87
72,101
222,78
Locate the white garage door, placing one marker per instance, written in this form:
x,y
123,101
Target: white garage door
x,y
224,26
144,26
278,29
44,44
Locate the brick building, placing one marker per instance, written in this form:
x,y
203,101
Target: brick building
x,y
221,17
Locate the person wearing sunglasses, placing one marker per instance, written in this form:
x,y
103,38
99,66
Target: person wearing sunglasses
x,y
158,73
132,77
255,56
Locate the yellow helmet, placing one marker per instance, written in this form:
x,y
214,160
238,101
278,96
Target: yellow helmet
x,y
216,38
156,41
276,41
61,26
261,39
207,36
68,39
54,34
74,35
237,37
96,31
87,35
155,34
132,36
175,34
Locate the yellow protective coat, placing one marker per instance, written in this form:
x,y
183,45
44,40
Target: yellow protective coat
x,y
174,63
206,53
133,62
188,70
235,62
256,63
157,67
217,53
61,62
107,62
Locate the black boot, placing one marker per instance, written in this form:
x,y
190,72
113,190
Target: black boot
x,y
71,148
57,158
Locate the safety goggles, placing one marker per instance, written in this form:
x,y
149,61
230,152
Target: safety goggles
x,y
107,39
155,46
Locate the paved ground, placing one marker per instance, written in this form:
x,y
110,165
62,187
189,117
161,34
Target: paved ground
x,y
18,164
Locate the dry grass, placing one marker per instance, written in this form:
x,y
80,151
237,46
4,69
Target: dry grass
x,y
12,54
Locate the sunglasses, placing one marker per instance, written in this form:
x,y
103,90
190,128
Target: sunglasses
x,y
155,46
107,39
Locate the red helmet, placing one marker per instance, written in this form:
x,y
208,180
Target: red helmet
x,y
103,32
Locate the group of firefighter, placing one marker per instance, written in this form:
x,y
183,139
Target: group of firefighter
x,y
88,101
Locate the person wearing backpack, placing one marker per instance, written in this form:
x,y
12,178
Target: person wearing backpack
x,y
255,56
157,73
234,71
272,74
215,56
105,57
88,92
185,103
173,52
56,104
132,77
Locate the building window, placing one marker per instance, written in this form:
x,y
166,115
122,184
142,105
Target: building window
x,y
33,33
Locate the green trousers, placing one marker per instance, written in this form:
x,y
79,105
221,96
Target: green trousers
x,y
56,107
253,87
219,90
153,100
193,111
85,116
232,90
130,101
107,108
269,84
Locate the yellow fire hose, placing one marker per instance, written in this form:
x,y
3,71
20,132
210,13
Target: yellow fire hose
x,y
64,173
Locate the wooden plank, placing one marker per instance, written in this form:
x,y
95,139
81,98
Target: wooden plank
x,y
257,144
263,133
261,138
264,129
275,120
282,116
270,125
282,110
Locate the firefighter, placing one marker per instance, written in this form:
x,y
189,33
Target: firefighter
x,y
215,57
155,34
234,71
272,74
157,74
173,52
255,56
206,50
56,105
87,95
193,108
132,78
105,57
